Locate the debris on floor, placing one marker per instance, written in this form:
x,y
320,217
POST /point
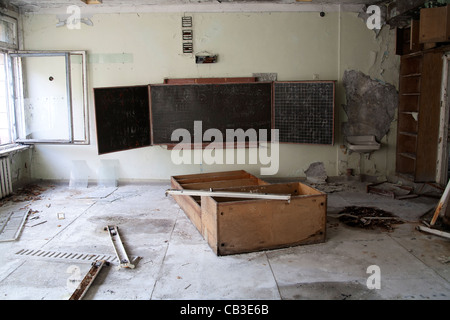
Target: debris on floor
x,y
28,193
332,187
392,190
368,217
11,224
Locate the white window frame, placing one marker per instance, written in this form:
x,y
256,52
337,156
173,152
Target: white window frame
x,y
5,47
15,44
16,71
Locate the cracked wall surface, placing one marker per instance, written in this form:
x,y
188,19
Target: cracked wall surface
x,y
371,105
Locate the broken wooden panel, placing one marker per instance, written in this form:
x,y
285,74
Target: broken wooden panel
x,y
234,226
237,225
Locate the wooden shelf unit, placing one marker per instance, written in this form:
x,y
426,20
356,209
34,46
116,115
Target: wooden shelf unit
x,y
418,115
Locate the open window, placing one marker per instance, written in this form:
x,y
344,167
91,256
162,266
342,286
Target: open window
x,y
50,97
8,41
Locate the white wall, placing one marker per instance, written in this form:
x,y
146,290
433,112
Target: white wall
x,y
142,48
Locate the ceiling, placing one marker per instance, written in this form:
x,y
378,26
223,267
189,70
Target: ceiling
x,y
60,3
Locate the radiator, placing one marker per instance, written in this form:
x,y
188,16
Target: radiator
x,y
5,177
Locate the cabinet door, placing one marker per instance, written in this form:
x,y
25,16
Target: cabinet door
x,y
429,113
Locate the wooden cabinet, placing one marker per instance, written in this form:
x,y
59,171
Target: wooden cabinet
x,y
435,24
408,39
418,115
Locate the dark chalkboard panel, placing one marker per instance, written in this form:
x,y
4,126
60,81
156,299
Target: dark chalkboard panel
x,y
221,106
304,111
122,117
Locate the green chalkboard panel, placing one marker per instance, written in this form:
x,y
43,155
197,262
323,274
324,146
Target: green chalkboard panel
x,y
304,111
220,106
122,118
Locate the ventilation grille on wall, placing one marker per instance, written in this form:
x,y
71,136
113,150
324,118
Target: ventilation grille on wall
x,y
188,46
5,177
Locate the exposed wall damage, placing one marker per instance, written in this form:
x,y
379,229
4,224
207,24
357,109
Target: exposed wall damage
x,y
371,105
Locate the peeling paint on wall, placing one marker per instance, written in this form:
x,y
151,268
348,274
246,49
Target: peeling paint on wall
x,y
386,64
371,105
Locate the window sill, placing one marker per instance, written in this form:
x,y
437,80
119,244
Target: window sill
x,y
8,149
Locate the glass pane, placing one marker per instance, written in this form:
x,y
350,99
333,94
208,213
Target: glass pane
x,y
45,108
78,111
5,132
8,32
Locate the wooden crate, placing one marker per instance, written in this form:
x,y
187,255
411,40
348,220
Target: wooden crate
x,y
232,225
204,181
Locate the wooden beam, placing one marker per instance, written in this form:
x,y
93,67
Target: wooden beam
x,y
442,203
88,279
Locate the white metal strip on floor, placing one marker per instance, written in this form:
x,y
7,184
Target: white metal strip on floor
x,y
66,256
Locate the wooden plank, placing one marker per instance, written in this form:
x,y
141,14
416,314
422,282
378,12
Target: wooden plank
x,y
415,44
293,188
443,202
209,80
222,184
210,174
209,223
249,226
236,176
88,279
190,207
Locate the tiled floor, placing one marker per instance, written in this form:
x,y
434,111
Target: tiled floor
x,y
176,263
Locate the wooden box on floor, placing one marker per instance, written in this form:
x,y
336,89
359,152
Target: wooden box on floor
x,y
236,225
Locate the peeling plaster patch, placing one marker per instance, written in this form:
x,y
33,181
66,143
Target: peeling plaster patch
x,y
371,105
387,64
316,173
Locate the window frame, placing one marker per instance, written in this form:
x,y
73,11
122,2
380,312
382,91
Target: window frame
x,y
17,103
15,44
5,48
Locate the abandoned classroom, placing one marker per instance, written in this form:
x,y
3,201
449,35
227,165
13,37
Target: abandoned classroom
x,y
224,150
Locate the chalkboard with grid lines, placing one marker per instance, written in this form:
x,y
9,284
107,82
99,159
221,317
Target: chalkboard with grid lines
x,y
304,112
